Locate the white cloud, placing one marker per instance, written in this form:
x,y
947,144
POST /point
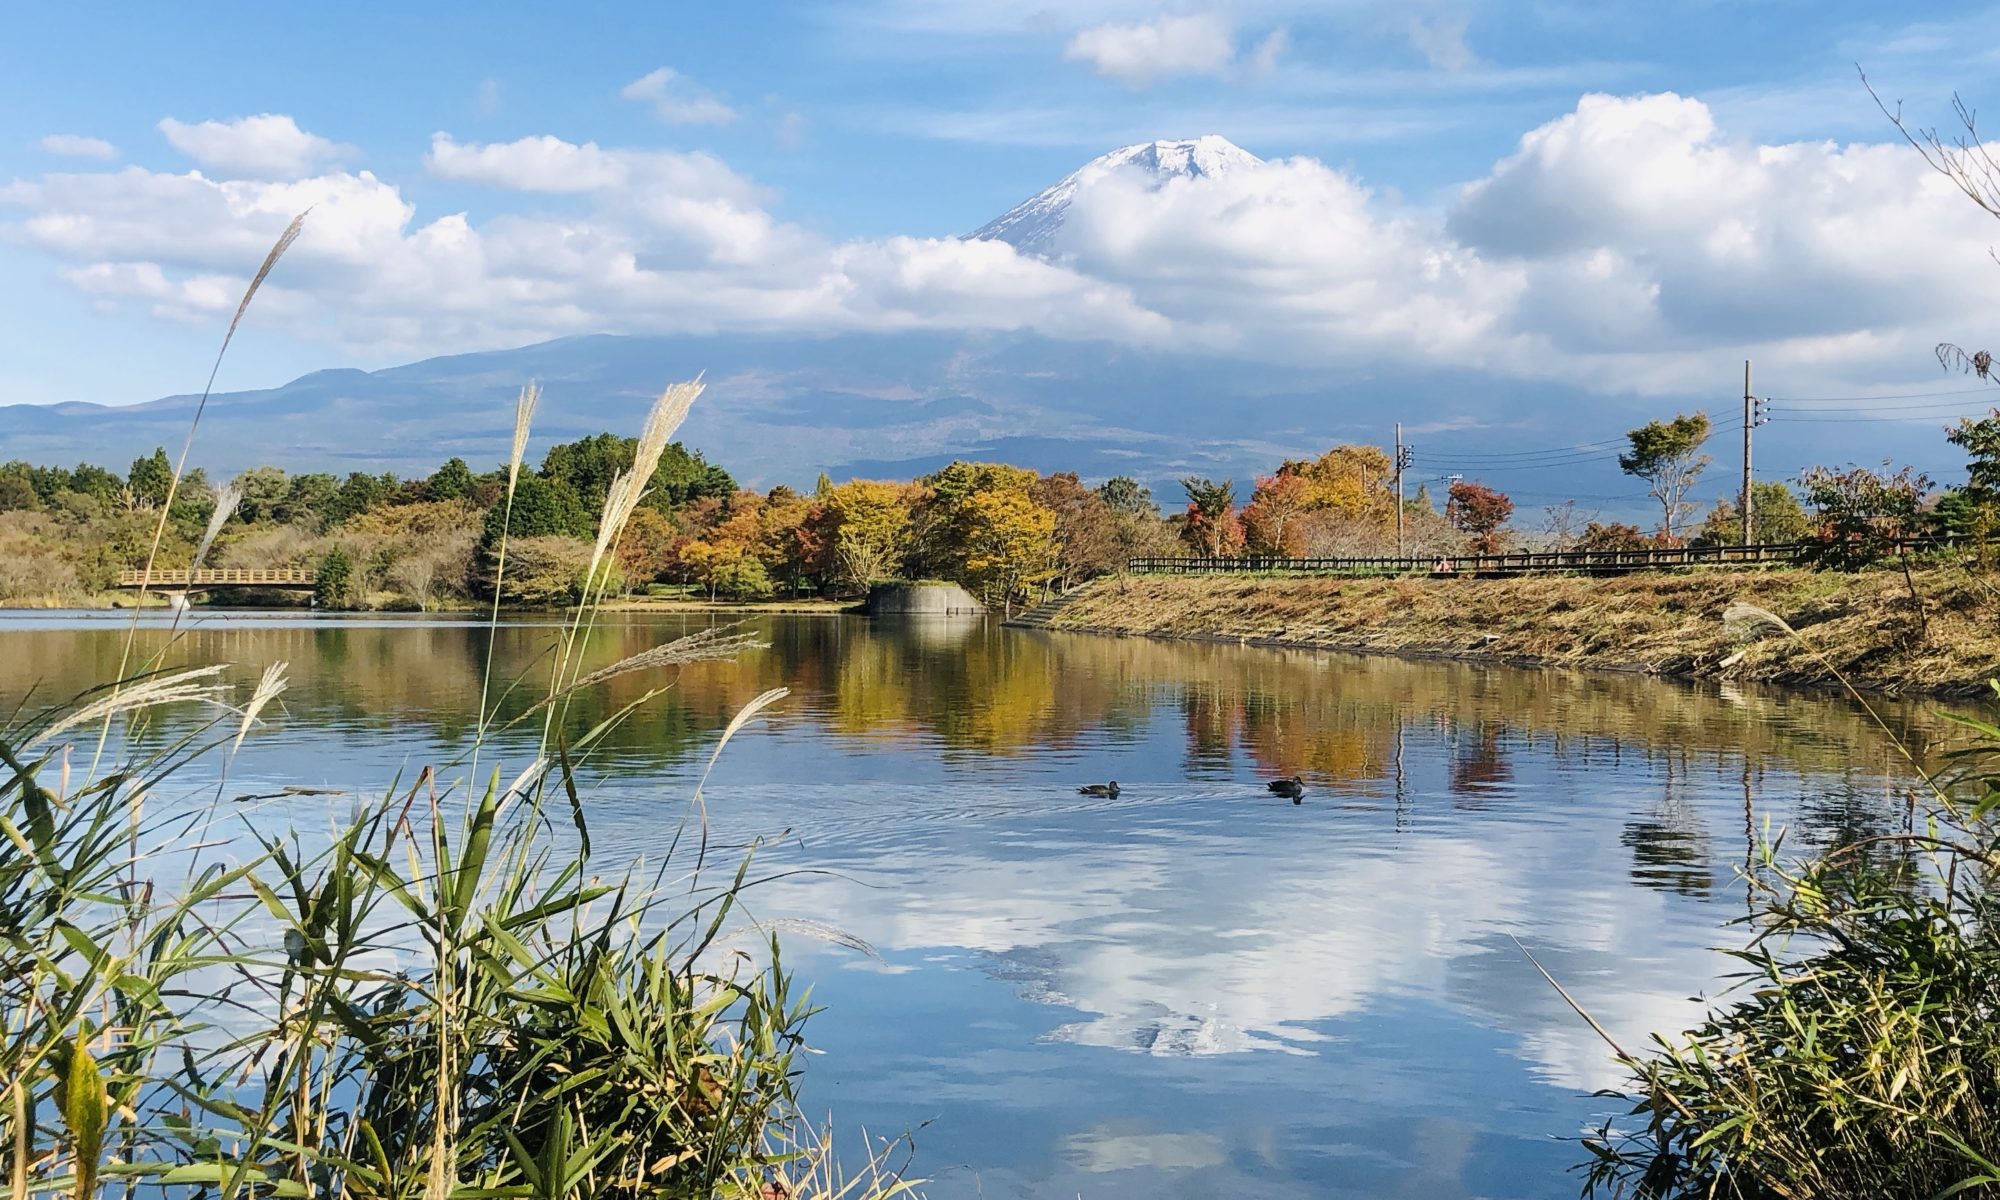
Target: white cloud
x,y
1143,53
678,100
269,146
550,164
489,99
71,145
1629,244
668,241
1264,59
1441,40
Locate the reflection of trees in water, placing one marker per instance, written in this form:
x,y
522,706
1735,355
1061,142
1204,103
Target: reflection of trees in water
x,y
1214,722
1477,764
1671,847
975,687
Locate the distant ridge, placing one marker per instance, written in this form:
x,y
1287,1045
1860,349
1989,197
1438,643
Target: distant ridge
x,y
1033,224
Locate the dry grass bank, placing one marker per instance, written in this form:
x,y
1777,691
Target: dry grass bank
x,y
1667,624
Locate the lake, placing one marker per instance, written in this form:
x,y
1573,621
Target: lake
x,y
1195,989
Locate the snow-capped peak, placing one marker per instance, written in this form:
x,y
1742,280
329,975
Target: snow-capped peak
x,y
1032,224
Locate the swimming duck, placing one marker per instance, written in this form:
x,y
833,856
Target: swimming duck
x,y
1292,789
1099,789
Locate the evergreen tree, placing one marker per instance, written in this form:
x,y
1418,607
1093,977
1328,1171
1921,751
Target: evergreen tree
x,y
452,481
150,478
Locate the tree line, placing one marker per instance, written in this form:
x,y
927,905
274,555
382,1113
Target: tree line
x,y
375,540
1343,504
1005,532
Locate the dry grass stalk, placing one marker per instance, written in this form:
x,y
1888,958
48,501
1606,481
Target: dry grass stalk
x,y
160,689
708,645
524,416
269,688
629,487
227,498
278,248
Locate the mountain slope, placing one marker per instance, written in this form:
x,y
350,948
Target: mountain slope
x,y
1033,224
777,410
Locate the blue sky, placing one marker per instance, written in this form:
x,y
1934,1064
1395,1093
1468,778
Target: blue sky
x,y
799,132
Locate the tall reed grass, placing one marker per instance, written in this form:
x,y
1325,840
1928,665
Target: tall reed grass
x,y
443,996
1859,1053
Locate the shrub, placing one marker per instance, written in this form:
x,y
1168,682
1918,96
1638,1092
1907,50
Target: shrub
x,y
743,579
542,572
1860,1057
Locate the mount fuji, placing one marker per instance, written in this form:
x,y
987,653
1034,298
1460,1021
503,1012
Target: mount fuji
x,y
1032,225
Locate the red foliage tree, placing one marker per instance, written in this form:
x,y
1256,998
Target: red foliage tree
x,y
1479,512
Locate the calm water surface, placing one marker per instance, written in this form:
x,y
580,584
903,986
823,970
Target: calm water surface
x,y
1196,989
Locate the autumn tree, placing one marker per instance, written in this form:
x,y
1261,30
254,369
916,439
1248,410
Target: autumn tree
x,y
1613,535
1271,519
780,522
864,527
1667,456
1353,482
1865,516
646,550
716,557
1137,530
1009,545
942,521
1211,527
1480,513
1085,542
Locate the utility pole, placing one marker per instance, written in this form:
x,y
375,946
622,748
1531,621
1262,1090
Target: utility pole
x,y
1749,423
1402,464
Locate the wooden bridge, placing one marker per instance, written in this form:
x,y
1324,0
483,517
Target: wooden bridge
x,y
1583,562
171,579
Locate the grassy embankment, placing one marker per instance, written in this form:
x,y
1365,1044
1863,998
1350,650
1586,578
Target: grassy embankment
x,y
1658,623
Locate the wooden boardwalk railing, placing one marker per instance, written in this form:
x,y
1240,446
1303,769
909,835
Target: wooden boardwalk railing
x,y
1521,563
179,579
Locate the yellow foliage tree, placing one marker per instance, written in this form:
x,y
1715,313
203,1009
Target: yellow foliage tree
x,y
871,521
1351,481
1010,544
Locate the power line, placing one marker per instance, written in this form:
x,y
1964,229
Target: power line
x,y
1915,412
1872,399
1555,455
1535,453
1798,420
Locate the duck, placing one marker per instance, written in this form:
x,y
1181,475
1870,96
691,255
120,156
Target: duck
x,y
1292,789
1099,789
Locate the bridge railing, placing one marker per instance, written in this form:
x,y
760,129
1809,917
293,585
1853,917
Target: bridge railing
x,y
181,577
1515,563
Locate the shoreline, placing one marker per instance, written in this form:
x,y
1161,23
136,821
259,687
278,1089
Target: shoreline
x,y
1659,624
630,604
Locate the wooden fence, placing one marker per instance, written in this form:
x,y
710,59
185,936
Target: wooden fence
x,y
175,580
1590,562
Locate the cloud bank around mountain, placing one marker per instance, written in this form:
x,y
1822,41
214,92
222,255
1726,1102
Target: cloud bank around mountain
x,y
1627,244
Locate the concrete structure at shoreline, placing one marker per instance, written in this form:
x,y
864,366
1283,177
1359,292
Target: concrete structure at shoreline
x,y
922,600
